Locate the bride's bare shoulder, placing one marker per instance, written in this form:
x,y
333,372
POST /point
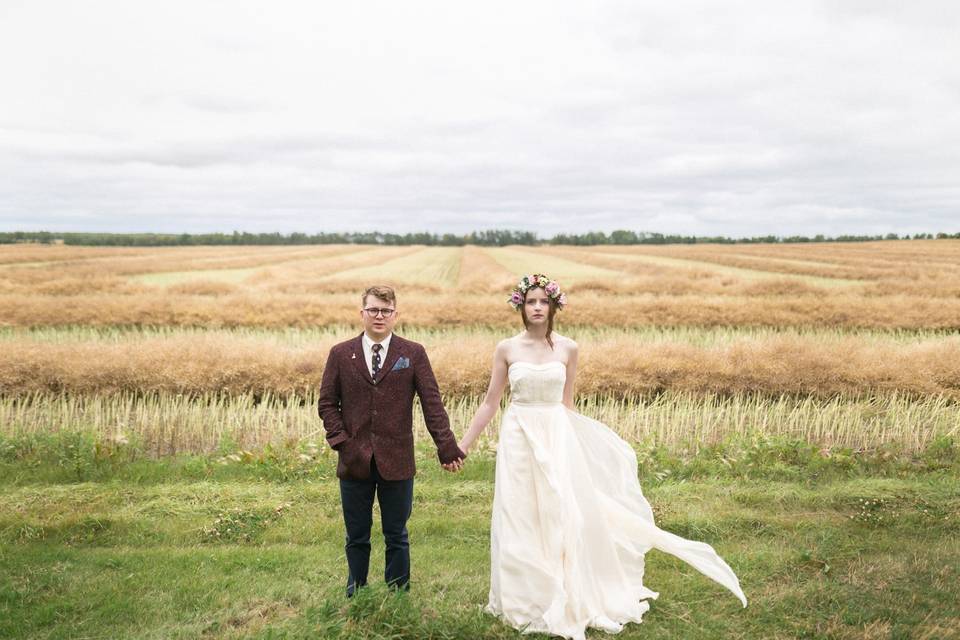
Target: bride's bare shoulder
x,y
511,342
567,346
564,341
505,347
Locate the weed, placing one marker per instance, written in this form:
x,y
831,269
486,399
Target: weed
x,y
241,525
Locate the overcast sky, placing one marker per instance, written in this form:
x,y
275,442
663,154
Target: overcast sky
x,y
735,118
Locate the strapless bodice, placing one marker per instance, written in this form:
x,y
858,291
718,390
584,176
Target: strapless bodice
x,y
532,383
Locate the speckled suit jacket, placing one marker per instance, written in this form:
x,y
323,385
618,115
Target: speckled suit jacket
x,y
366,417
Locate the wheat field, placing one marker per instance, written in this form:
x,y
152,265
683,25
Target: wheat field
x,y
832,343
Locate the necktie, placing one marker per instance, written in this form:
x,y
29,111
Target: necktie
x,y
376,359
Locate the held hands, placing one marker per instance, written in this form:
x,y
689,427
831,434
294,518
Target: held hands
x,y
454,466
457,464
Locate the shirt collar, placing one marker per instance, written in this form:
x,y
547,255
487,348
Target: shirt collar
x,y
369,343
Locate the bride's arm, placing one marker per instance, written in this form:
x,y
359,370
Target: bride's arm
x,y
571,376
488,408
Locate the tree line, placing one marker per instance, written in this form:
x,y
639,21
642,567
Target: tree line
x,y
490,238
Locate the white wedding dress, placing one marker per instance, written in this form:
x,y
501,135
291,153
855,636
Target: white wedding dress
x,y
570,525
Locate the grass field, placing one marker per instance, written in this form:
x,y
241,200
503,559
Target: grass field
x,y
638,263
796,406
251,547
885,285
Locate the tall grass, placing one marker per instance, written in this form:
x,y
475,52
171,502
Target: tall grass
x,y
597,304
221,362
306,336
165,423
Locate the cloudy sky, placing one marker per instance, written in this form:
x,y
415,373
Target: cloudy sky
x,y
735,118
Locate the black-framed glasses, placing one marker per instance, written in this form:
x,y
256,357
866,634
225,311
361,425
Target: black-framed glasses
x,y
373,312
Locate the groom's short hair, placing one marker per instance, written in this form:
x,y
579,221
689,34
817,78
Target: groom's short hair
x,y
381,291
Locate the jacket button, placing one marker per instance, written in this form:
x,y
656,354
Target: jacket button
x,y
374,412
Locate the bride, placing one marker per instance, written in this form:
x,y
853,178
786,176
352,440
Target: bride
x,y
570,525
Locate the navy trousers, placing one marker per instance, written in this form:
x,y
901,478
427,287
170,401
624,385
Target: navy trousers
x,y
396,503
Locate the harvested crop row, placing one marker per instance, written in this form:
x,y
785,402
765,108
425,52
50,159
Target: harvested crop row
x,y
774,365
321,304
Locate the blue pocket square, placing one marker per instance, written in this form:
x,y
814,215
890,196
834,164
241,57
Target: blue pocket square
x,y
402,363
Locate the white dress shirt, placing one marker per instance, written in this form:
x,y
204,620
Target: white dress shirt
x,y
368,351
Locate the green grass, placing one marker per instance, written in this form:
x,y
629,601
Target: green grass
x,y
104,544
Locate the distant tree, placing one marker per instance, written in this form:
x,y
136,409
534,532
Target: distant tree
x,y
489,237
622,236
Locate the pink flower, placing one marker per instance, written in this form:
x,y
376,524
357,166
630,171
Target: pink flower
x,y
516,298
552,288
563,299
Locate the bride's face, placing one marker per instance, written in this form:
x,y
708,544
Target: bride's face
x,y
536,306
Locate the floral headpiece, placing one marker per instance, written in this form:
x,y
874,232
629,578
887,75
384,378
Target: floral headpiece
x,y
532,282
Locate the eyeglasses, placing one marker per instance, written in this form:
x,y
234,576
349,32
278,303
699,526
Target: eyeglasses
x,y
373,312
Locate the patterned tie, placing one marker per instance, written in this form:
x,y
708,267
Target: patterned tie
x,y
376,359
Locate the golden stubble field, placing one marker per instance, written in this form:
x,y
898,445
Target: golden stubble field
x,y
839,343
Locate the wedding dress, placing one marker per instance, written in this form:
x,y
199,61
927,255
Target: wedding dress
x,y
570,525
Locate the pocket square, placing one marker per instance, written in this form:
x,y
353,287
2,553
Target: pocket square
x,y
402,363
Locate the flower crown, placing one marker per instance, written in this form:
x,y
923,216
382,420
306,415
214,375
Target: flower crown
x,y
532,282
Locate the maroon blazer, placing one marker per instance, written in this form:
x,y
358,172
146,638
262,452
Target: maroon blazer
x,y
366,417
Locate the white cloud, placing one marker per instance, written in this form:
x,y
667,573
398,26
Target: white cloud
x,y
736,118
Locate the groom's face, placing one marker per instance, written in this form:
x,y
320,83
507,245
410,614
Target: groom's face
x,y
378,325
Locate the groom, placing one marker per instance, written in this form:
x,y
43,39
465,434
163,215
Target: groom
x,y
366,404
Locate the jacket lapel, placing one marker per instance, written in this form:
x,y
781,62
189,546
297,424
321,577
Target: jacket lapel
x,y
396,351
359,361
